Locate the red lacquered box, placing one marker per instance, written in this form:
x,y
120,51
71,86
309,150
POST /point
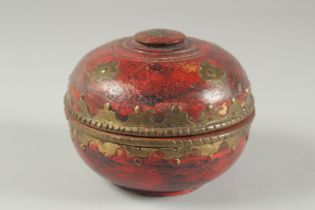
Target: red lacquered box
x,y
159,113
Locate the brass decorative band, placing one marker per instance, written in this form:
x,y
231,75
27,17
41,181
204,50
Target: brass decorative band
x,y
87,132
175,122
110,144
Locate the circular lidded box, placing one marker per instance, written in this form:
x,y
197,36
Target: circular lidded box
x,y
159,113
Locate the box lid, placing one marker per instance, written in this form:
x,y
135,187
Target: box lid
x,y
159,83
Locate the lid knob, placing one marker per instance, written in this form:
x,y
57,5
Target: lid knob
x,y
159,37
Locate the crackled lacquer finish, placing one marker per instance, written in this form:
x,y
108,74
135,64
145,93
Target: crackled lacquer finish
x,y
159,111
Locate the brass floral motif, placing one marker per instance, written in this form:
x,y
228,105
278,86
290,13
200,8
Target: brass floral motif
x,y
104,72
208,72
174,123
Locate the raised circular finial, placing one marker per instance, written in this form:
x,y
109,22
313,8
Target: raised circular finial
x,y
159,37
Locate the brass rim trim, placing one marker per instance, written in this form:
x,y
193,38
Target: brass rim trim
x,y
77,128
193,129
174,154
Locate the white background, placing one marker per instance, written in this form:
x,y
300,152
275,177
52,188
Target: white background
x,y
41,42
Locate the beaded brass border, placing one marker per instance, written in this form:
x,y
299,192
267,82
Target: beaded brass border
x,y
77,127
176,123
140,147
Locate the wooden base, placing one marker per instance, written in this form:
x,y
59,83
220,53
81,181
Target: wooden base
x,y
159,194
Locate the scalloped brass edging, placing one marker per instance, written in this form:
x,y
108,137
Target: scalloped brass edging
x,y
112,144
176,123
77,128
